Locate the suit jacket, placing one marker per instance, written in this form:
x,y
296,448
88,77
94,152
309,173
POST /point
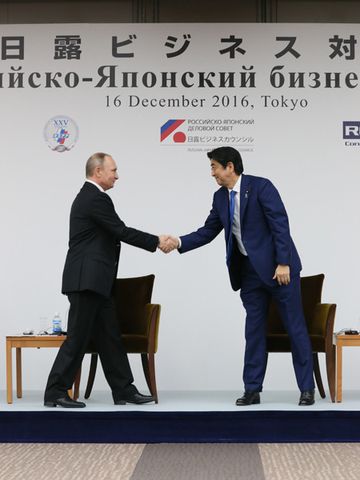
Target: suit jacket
x,y
264,230
96,233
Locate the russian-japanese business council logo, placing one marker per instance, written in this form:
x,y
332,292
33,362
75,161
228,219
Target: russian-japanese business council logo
x,y
169,127
61,133
199,133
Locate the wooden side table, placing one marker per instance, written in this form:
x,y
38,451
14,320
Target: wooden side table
x,y
340,341
25,341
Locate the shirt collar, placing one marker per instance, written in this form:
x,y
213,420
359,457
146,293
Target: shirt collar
x,y
96,185
236,187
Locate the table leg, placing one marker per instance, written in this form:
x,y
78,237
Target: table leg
x,y
8,372
339,373
18,373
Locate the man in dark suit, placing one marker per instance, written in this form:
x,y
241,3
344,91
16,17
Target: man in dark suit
x,y
262,262
96,233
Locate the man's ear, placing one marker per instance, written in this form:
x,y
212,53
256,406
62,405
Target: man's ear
x,y
230,165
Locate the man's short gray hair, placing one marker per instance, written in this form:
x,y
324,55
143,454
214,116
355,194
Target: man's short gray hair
x,y
96,160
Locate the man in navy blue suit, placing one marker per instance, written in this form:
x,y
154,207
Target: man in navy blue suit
x,y
263,263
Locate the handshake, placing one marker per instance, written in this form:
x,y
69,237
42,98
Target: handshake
x,y
168,243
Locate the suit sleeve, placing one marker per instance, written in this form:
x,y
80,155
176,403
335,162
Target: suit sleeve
x,y
278,222
104,215
205,234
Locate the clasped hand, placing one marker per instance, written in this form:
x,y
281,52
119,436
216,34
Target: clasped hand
x,y
168,243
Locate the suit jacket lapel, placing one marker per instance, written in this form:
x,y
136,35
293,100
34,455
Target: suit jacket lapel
x,y
223,209
245,189
227,209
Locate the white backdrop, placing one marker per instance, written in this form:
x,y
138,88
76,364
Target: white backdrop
x,y
166,187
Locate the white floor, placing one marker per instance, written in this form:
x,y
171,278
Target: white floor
x,y
194,401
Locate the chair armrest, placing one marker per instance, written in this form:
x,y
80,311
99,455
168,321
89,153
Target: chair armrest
x,y
152,315
323,320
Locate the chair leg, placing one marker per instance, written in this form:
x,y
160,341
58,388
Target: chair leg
x,y
92,372
145,365
152,377
148,363
330,370
76,385
318,375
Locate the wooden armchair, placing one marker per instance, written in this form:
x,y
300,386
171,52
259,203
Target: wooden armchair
x,y
320,323
139,322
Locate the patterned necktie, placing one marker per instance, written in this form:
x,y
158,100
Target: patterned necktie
x,y
231,219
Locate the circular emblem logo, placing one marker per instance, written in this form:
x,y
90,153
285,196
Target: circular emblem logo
x,y
61,133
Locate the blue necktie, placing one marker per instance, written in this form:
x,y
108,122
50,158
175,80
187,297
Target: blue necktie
x,y
231,219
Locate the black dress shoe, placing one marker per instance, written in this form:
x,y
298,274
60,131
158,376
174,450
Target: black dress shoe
x,y
65,402
307,398
249,398
134,397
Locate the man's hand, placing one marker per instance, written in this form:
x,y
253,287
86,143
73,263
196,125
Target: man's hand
x,y
168,243
282,274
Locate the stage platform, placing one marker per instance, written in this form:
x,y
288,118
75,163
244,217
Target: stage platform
x,y
209,416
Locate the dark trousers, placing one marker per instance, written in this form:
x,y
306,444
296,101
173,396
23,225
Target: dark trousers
x,y
91,319
256,296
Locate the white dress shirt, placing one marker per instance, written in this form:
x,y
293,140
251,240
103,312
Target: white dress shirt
x,y
236,221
